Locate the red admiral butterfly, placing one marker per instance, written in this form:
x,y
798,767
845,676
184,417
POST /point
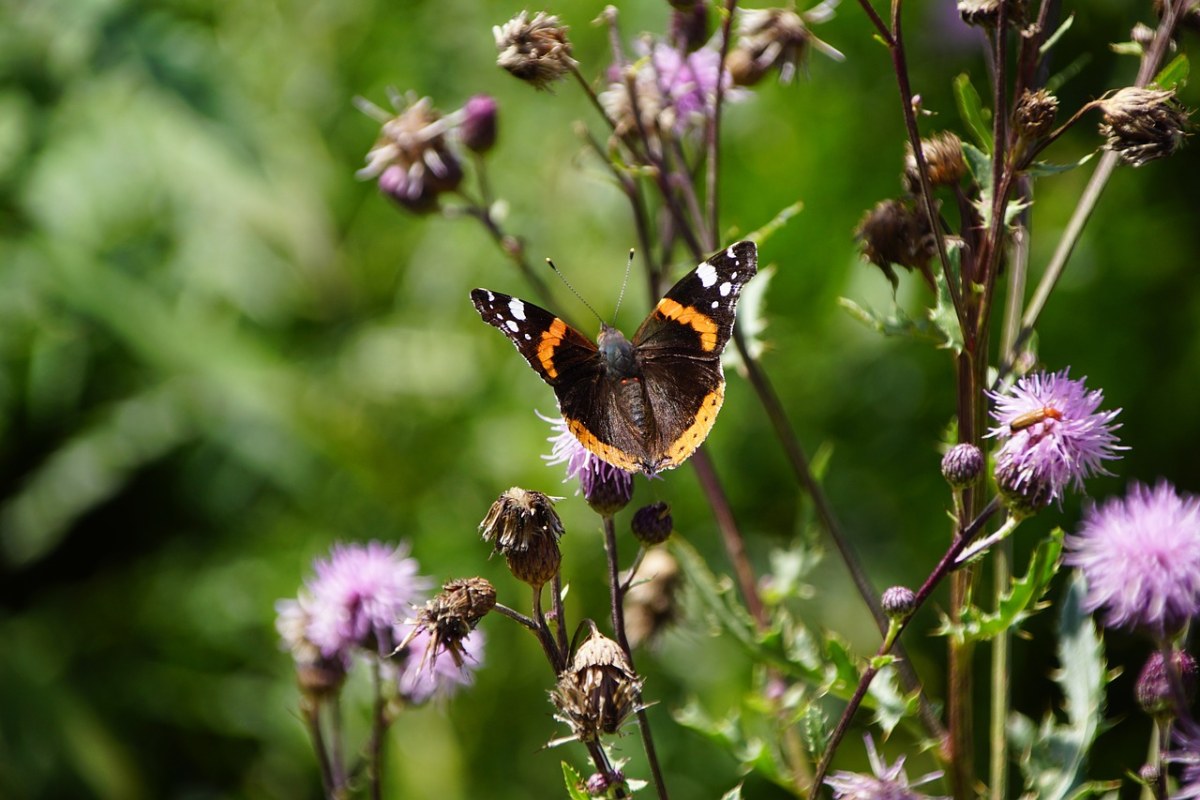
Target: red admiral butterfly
x,y
646,404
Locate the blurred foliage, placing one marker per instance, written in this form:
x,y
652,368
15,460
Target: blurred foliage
x,y
219,353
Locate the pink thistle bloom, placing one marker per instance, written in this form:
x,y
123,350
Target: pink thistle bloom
x,y
1141,557
594,473
430,672
1052,434
888,783
1187,737
359,597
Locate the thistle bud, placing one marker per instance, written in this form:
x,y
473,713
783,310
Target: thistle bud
x,y
1023,495
534,50
478,130
1142,125
893,233
898,602
599,691
652,524
607,489
689,25
962,465
651,602
944,159
1154,692
1034,115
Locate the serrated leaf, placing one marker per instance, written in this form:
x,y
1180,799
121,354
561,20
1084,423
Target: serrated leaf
x,y
974,115
574,782
1040,169
1014,208
1053,38
1019,603
1175,74
894,323
1052,756
892,706
942,315
980,165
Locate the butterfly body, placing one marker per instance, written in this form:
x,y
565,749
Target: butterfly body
x,y
642,404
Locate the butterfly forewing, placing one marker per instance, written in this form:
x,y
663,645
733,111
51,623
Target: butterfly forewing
x,y
553,348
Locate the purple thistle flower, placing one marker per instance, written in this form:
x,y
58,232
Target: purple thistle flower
x,y
1141,557
359,598
888,783
1053,436
597,478
430,672
1187,737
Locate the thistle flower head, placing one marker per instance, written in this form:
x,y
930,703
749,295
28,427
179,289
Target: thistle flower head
x,y
777,38
534,50
893,233
606,488
478,129
1140,555
1053,435
1155,690
673,91
317,675
962,465
943,155
518,518
1187,752
358,598
1142,125
888,783
898,602
986,13
450,617
411,158
423,676
1034,115
599,691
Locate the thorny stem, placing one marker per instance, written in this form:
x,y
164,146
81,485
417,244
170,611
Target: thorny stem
x,y
714,133
560,619
311,709
558,657
944,567
617,596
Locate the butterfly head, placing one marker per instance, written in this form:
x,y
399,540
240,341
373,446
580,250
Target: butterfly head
x,y
620,359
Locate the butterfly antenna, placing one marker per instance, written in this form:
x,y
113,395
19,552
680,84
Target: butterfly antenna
x,y
572,288
624,283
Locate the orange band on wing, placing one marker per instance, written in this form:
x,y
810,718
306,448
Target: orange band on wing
x,y
687,442
686,315
551,339
613,455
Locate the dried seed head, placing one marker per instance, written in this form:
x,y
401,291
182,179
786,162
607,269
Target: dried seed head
x,y
1141,125
962,465
1154,691
652,524
599,691
411,158
537,565
478,130
1034,115
518,519
893,233
451,615
944,158
898,602
987,12
650,603
776,38
534,50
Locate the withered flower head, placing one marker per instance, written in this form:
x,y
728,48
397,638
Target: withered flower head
x,y
987,12
777,38
535,50
1141,125
412,158
894,233
944,158
525,527
1034,115
451,616
650,603
599,691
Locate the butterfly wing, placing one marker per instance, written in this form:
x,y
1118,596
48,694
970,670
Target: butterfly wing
x,y
679,350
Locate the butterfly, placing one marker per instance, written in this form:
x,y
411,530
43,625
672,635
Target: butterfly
x,y
642,404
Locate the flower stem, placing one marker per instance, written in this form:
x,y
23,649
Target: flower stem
x,y
311,709
617,595
378,726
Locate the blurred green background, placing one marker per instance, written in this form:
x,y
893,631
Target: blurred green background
x,y
220,353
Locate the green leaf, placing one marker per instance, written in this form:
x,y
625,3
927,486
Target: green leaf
x,y
974,115
1040,169
980,164
892,706
1128,49
1021,602
574,782
733,794
1174,75
942,315
1058,33
1053,755
1069,71
778,221
894,323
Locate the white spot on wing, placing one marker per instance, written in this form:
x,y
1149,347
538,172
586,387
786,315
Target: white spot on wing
x,y
512,325
517,308
716,303
733,275
707,274
527,337
491,297
729,252
726,288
